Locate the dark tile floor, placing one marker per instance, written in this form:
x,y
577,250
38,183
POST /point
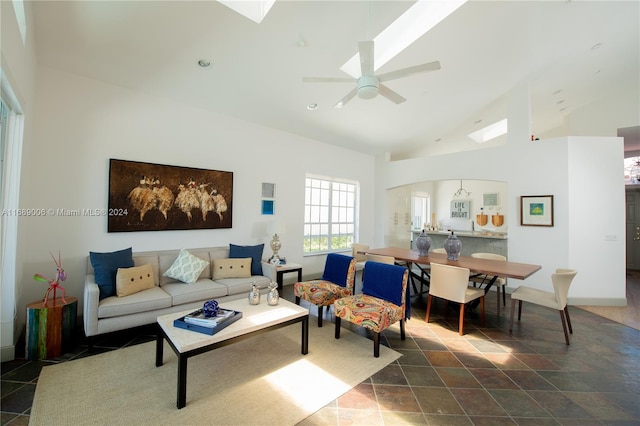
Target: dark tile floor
x,y
486,377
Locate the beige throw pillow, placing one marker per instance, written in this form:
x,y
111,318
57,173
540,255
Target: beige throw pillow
x,y
231,268
134,279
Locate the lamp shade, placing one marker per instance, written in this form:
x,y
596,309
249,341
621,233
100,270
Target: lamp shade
x,y
275,227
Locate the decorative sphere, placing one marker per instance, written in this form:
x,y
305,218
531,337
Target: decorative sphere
x,y
210,308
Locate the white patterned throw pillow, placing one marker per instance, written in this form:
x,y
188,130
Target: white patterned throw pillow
x,y
186,268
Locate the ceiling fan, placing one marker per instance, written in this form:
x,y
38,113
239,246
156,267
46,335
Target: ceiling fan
x,y
369,85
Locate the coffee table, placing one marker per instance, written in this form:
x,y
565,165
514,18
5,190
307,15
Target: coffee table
x,y
255,319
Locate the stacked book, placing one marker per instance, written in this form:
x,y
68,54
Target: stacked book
x,y
198,318
196,321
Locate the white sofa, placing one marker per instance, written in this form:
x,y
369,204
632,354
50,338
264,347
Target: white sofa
x,y
118,313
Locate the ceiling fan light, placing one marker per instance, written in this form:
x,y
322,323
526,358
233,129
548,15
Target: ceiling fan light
x,y
367,87
367,92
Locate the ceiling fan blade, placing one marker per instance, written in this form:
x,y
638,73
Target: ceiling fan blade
x,y
327,80
390,94
365,49
405,72
346,99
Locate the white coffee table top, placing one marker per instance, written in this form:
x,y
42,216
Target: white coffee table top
x,y
254,317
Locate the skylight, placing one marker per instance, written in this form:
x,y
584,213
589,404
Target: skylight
x,y
256,10
410,26
492,131
18,8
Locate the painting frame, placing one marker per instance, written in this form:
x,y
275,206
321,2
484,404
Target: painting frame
x,y
268,207
536,210
146,196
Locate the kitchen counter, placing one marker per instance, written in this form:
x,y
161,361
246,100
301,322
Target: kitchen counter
x,y
473,234
472,241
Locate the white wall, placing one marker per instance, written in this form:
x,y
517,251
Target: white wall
x,y
593,221
583,174
618,110
82,123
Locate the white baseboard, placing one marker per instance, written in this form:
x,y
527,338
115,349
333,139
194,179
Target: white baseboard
x,y
588,301
599,301
8,353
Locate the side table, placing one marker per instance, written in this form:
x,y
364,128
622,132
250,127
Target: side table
x,y
50,327
276,272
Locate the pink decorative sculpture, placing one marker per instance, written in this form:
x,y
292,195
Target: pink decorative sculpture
x,y
54,284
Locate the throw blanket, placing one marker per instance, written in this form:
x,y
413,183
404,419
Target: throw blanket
x,y
336,268
385,282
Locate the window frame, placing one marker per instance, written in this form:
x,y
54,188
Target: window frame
x,y
331,214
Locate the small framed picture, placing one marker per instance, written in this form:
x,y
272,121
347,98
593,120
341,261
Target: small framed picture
x,y
536,210
268,190
489,200
268,207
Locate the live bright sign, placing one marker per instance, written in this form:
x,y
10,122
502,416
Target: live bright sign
x,y
460,209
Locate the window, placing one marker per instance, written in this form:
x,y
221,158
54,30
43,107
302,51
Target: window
x,y
330,211
11,129
18,9
4,116
420,209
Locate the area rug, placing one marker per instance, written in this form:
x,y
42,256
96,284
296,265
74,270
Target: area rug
x,y
264,380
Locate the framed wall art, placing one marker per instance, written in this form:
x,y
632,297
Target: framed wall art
x,y
460,209
489,200
158,197
268,207
536,210
268,198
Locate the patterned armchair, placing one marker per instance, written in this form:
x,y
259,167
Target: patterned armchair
x,y
383,302
337,281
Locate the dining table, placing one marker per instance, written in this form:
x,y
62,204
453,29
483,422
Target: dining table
x,y
489,267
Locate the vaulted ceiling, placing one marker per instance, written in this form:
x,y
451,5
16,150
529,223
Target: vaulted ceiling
x,y
571,53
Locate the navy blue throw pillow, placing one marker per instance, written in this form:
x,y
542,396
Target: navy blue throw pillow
x,y
254,252
105,268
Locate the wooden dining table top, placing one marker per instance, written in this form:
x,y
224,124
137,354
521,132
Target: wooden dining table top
x,y
490,267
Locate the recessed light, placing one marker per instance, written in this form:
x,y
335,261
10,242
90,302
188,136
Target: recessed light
x,y
438,140
562,109
204,63
312,107
560,101
477,122
557,92
597,71
596,46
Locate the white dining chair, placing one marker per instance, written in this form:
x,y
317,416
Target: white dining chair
x,y
389,260
500,283
360,258
561,281
452,283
